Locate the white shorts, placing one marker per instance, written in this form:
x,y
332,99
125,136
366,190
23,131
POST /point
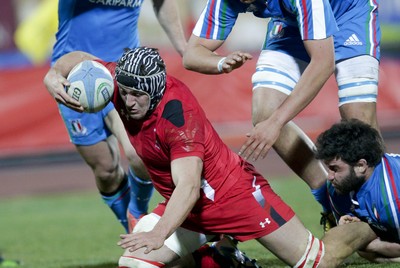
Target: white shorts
x,y
357,78
277,70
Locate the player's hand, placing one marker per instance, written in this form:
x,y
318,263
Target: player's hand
x,y
55,84
235,60
260,140
149,240
348,219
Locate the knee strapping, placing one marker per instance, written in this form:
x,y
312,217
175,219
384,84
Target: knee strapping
x,y
133,262
357,79
313,254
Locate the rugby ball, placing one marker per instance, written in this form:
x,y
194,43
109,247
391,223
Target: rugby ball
x,y
91,84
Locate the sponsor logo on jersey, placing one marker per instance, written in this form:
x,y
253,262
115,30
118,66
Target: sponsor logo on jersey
x,y
118,3
353,41
265,223
77,128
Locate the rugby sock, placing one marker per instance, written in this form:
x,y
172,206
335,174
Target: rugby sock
x,y
321,195
118,201
140,195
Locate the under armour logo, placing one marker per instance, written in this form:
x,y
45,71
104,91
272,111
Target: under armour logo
x,y
263,224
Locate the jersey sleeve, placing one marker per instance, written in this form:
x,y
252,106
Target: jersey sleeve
x,y
217,20
182,131
315,19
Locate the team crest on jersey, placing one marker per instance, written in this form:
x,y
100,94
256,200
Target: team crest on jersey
x,y
77,128
277,30
376,214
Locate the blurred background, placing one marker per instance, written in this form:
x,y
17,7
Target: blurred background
x,y
32,132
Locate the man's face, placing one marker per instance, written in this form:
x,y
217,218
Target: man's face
x,y
136,102
343,177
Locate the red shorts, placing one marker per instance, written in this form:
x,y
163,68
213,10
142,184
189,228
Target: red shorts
x,y
250,209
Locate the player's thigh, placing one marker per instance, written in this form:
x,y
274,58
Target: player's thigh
x,y
276,76
364,111
264,102
289,242
88,132
103,157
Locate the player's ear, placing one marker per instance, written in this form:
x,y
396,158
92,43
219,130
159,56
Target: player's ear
x,y
361,167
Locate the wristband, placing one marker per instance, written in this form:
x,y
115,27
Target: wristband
x,y
219,66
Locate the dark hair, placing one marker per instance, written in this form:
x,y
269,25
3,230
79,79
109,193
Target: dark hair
x,y
350,140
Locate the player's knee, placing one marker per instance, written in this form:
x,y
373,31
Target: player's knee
x,y
109,178
133,262
313,254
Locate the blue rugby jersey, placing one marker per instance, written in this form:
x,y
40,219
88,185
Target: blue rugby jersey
x,y
297,20
291,22
378,201
102,28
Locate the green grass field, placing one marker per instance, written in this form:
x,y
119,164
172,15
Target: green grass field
x,y
77,230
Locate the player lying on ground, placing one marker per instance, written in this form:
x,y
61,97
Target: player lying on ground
x,y
208,189
354,154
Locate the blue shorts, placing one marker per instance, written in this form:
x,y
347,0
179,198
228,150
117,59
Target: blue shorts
x,y
86,128
359,31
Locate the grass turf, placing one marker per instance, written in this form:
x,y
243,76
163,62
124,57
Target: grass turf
x,y
73,230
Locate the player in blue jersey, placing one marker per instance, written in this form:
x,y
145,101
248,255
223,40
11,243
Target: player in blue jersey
x,y
105,28
357,165
296,60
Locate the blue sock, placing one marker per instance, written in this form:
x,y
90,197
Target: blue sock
x,y
141,192
321,195
119,201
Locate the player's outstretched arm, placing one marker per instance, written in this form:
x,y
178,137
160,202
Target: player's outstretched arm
x,y
116,126
186,175
343,240
167,13
55,79
381,251
200,56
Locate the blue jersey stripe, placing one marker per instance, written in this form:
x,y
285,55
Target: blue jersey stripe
x,y
391,193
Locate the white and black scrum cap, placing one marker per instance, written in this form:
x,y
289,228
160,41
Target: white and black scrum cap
x,y
143,69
